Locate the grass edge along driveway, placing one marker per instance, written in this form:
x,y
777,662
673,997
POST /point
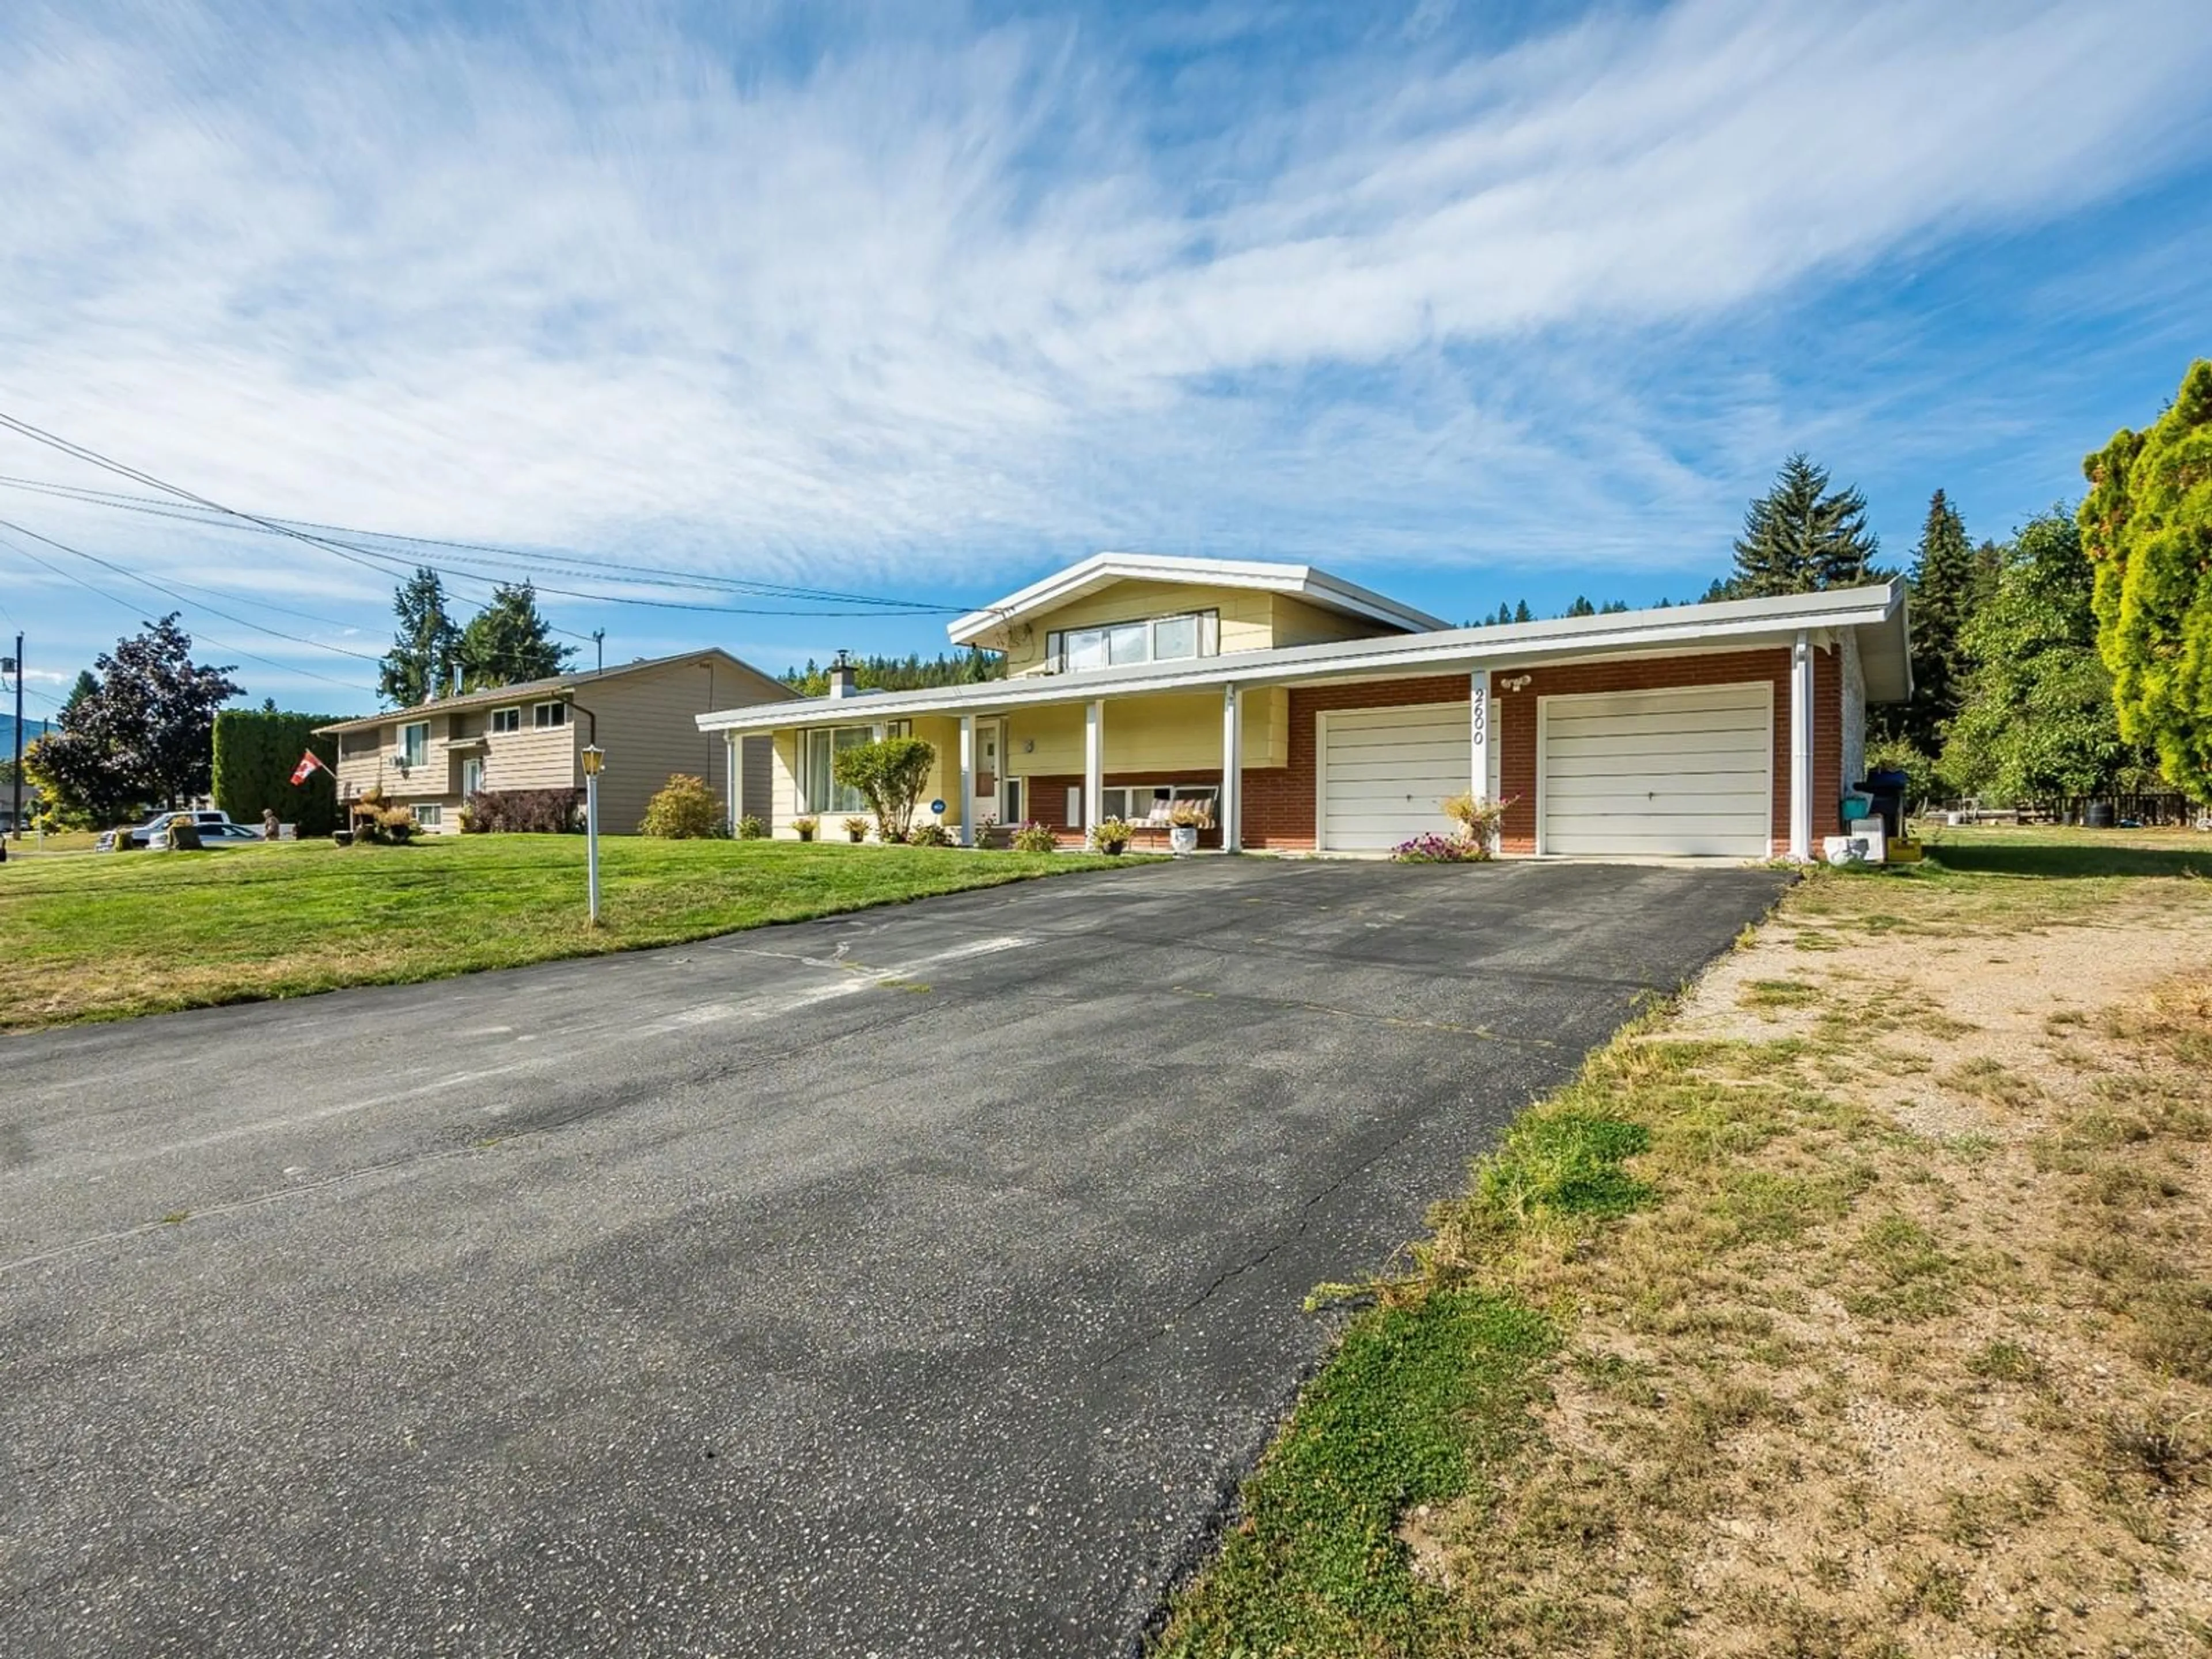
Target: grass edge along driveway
x,y
1619,1400
119,935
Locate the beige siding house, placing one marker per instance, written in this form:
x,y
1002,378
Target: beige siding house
x,y
644,714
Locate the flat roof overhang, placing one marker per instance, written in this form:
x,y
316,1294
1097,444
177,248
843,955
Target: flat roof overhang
x,y
1875,614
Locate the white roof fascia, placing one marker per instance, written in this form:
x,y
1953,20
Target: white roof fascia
x,y
1739,623
1100,569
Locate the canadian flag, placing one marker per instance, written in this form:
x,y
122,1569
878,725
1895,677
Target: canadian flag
x,y
310,763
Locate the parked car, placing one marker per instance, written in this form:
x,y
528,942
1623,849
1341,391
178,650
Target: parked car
x,y
215,834
142,834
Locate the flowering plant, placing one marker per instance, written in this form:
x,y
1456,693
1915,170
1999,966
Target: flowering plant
x,y
1031,837
1430,847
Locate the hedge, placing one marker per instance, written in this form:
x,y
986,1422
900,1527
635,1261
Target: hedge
x,y
255,750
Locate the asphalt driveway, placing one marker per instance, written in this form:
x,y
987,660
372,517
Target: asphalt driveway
x,y
913,1284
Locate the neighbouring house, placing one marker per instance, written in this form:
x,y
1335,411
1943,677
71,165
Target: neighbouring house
x,y
1310,714
644,714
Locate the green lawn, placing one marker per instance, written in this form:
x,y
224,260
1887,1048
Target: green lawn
x,y
110,936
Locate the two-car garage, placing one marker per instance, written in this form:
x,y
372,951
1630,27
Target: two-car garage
x,y
1679,770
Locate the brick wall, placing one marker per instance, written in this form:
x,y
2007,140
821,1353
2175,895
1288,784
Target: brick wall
x,y
1279,800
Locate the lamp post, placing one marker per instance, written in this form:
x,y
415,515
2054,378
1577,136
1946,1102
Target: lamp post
x,y
594,758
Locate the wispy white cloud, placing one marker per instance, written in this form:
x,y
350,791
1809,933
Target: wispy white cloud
x,y
936,302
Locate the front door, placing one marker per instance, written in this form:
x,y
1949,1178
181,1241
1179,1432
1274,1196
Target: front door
x,y
985,782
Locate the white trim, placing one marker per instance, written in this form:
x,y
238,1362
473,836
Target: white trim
x,y
1800,750
1101,570
1094,761
1229,803
967,779
1544,744
1678,630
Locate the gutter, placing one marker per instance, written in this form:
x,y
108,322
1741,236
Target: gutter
x,y
1516,645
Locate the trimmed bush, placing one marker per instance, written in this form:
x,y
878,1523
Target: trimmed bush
x,y
525,811
890,774
255,750
750,827
683,809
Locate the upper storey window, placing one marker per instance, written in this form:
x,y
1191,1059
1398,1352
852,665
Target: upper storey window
x,y
1118,645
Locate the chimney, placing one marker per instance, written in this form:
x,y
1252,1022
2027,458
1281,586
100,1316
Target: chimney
x,y
840,676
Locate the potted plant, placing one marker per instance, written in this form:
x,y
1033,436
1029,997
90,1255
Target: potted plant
x,y
1111,837
806,826
856,830
1478,817
1185,819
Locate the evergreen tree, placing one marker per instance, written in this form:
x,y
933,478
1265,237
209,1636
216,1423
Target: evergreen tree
x,y
1521,613
85,687
2146,522
1614,608
509,642
420,664
1946,584
1800,537
1581,607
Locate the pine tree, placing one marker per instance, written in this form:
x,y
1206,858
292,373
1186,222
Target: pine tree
x,y
1800,537
420,664
1948,582
1581,607
1521,613
86,686
509,642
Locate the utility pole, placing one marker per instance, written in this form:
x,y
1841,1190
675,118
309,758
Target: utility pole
x,y
599,645
15,666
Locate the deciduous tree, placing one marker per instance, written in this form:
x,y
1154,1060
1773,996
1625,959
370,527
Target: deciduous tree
x,y
143,734
2036,716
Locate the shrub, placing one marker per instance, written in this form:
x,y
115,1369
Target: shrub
x,y
1432,848
929,835
750,827
255,750
1478,817
890,774
525,811
397,824
806,825
1191,815
856,828
1034,837
683,809
1110,835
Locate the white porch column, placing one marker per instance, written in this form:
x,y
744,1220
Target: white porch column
x,y
1478,702
1231,805
733,778
1094,761
967,779
1801,750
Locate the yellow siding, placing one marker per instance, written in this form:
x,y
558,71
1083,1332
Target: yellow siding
x,y
1166,733
1297,623
1248,622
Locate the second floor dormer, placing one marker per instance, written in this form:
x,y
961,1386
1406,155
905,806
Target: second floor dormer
x,y
1117,610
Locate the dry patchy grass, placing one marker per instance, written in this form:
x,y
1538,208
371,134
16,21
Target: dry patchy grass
x,y
1895,1335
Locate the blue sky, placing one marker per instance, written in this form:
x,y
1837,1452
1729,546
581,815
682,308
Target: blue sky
x,y
1470,303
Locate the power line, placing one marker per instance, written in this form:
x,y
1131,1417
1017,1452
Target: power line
x,y
323,535
171,592
133,606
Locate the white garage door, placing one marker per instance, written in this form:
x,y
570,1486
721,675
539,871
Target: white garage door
x,y
1687,771
1384,771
